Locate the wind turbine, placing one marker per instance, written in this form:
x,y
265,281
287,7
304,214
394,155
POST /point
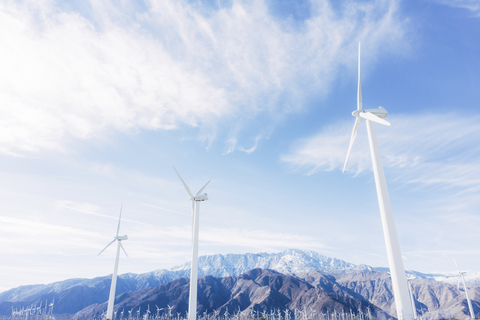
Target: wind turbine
x,y
461,275
111,298
192,301
399,280
412,299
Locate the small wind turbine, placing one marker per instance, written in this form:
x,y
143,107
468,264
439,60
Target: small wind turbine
x,y
399,280
158,312
461,275
412,299
192,303
118,238
51,308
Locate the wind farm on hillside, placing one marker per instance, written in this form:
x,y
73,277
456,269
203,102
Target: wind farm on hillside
x,y
102,101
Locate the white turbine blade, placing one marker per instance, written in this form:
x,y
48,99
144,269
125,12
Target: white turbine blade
x,y
184,184
354,134
359,91
119,219
370,116
206,184
456,265
108,245
121,245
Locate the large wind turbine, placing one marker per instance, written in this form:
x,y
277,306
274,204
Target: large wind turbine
x,y
192,301
461,274
118,238
399,280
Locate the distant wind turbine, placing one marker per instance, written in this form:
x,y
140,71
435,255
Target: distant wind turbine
x,y
461,275
192,303
118,238
399,280
412,299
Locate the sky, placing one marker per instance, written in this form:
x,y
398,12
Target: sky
x,y
100,99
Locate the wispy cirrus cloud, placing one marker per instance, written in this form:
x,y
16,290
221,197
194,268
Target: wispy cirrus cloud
x,y
426,150
471,5
171,64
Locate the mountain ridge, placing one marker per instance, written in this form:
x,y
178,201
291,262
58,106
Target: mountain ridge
x,y
259,290
290,262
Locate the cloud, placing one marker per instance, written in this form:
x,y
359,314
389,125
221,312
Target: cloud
x,y
21,236
471,5
260,239
425,150
148,239
72,74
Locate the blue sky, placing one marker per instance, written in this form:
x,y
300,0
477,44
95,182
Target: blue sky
x,y
98,100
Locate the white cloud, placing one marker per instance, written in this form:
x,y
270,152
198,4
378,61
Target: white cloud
x,y
427,150
260,239
20,237
173,65
471,5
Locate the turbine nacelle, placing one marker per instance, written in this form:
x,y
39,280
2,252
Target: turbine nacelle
x,y
379,112
120,238
200,197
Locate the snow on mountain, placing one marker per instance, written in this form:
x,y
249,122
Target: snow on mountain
x,y
290,261
471,279
294,261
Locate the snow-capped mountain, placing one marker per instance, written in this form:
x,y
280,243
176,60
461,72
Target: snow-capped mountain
x,y
290,261
75,294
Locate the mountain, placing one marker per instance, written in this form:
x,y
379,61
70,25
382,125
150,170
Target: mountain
x,y
471,279
290,261
256,290
432,298
364,282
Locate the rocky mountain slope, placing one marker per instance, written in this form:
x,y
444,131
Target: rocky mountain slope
x,y
432,298
258,290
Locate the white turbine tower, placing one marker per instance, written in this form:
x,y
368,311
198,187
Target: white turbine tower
x,y
461,275
118,238
192,301
399,280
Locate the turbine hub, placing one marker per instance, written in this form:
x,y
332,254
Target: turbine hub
x,y
201,197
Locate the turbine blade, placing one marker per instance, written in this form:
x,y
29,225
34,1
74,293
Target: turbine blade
x,y
119,219
359,91
354,134
108,245
206,184
456,265
121,245
184,184
370,116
